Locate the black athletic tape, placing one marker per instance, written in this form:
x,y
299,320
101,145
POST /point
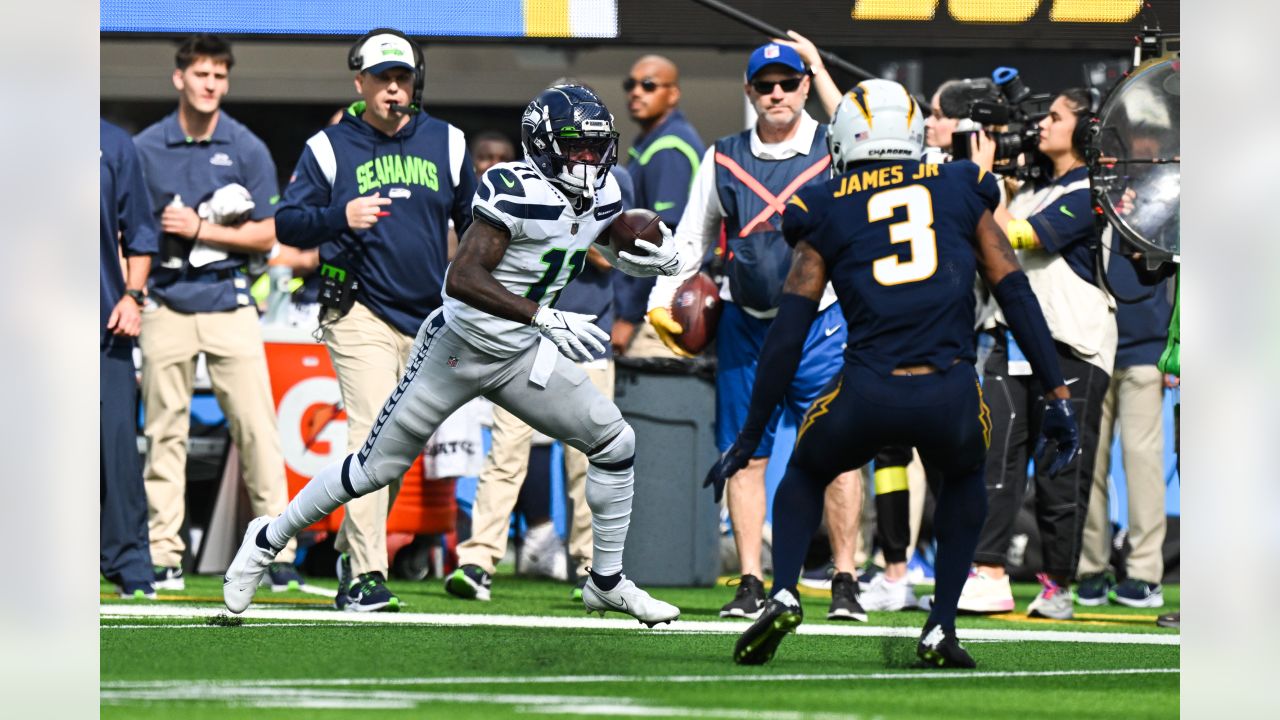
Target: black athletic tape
x,y
615,466
346,479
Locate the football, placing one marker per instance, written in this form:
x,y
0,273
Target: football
x,y
696,306
632,224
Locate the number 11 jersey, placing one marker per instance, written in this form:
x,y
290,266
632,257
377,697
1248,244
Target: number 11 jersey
x,y
897,239
548,249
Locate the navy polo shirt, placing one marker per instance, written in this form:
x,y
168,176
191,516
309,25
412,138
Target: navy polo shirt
x,y
175,164
124,214
1066,226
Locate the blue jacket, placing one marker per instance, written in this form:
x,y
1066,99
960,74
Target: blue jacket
x,y
1143,326
662,165
400,262
124,212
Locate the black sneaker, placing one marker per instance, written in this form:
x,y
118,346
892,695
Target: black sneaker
x,y
1092,590
1170,620
748,602
940,648
819,578
844,599
469,582
1138,594
781,615
369,593
282,576
168,578
343,569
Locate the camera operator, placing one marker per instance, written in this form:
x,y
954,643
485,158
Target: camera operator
x,y
938,127
1049,222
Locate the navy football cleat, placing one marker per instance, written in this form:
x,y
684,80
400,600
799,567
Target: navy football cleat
x,y
941,648
782,615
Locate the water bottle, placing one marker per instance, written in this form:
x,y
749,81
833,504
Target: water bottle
x,y
279,297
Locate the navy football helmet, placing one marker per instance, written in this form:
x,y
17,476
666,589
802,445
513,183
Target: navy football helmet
x,y
565,122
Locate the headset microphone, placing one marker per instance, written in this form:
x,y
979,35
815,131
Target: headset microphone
x,y
403,109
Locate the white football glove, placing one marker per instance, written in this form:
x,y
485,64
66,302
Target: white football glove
x,y
661,259
572,333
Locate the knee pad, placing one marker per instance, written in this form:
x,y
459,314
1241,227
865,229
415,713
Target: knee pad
x,y
616,453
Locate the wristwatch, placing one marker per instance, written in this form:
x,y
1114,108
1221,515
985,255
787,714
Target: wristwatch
x,y
139,296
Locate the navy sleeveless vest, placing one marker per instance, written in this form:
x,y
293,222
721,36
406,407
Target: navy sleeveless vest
x,y
753,193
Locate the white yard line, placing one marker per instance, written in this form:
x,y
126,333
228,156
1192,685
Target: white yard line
x,y
557,704
198,686
693,626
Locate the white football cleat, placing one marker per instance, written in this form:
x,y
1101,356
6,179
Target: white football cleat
x,y
625,597
247,568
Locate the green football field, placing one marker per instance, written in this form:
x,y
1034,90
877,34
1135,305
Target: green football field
x,y
533,652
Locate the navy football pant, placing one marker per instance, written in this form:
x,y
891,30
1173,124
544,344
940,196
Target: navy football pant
x,y
857,414
125,551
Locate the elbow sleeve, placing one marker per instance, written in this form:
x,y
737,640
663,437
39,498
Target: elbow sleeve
x,y
1026,320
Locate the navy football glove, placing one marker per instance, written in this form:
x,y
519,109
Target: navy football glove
x,y
1059,425
733,460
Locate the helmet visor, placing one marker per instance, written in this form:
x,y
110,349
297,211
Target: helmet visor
x,y
589,150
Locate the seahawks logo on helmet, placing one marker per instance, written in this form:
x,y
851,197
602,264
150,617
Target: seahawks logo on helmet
x,y
568,135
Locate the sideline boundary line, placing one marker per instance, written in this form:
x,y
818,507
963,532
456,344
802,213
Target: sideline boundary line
x,y
115,611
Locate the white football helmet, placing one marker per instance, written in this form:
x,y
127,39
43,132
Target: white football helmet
x,y
876,120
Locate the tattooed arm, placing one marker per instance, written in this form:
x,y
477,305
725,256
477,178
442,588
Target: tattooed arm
x,y
470,277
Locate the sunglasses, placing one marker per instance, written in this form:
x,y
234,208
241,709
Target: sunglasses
x,y
648,85
765,87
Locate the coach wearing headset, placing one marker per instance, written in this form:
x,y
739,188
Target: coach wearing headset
x,y
1050,224
377,193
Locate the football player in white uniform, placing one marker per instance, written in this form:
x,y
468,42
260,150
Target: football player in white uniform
x,y
498,335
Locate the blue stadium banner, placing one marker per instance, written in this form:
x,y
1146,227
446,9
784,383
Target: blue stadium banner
x,y
433,18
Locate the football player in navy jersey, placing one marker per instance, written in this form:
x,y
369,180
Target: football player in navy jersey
x,y
900,240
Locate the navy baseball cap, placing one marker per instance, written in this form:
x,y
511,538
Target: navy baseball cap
x,y
384,51
773,54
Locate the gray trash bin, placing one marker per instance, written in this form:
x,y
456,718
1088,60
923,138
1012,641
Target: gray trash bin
x,y
675,522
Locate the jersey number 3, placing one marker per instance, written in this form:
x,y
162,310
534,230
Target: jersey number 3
x,y
916,229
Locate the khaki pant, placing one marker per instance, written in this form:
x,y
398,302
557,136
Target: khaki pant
x,y
499,488
646,343
369,356
1135,398
232,344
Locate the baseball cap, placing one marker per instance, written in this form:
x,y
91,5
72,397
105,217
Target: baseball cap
x,y
773,54
384,51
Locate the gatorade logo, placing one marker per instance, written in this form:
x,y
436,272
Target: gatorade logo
x,y
313,430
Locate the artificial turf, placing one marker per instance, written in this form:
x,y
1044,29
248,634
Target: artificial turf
x,y
185,667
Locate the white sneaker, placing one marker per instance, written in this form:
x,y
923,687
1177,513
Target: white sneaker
x,y
247,568
625,597
885,595
1054,601
542,553
982,594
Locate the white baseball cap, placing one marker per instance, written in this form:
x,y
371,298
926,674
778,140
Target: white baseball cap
x,y
384,51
